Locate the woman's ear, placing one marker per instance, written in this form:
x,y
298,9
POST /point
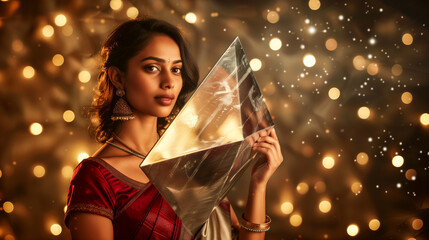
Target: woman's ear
x,y
116,76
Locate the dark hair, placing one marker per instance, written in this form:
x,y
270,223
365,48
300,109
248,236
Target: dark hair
x,y
123,44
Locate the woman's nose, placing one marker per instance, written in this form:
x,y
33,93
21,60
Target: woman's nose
x,y
167,80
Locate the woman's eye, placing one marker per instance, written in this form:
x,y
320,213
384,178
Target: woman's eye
x,y
177,70
151,68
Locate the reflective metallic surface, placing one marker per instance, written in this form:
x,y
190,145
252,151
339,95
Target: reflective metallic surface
x,y
208,145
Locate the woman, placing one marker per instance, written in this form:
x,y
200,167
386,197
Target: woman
x,y
146,75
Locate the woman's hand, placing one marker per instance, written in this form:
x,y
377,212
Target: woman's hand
x,y
267,143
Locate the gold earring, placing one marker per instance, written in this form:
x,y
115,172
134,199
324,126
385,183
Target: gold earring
x,y
122,110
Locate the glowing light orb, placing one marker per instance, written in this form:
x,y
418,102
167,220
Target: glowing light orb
x,y
417,224
314,4
39,171
65,209
48,31
331,44
309,60
28,72
190,17
359,63
372,41
116,5
363,112
68,116
372,69
84,76
325,206
17,45
132,12
273,17
374,224
302,188
334,93
275,44
396,70
36,128
356,187
58,60
397,161
411,174
362,158
407,39
328,162
295,220
60,20
67,172
8,207
255,64
56,229
82,156
286,208
312,30
407,97
424,119
352,230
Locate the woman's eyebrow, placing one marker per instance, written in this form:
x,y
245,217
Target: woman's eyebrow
x,y
159,60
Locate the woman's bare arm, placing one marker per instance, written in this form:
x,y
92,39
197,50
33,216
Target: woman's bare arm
x,y
87,226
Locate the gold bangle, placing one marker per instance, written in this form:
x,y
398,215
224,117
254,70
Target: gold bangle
x,y
256,227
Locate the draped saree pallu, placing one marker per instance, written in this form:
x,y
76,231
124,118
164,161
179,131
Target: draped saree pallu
x,y
137,210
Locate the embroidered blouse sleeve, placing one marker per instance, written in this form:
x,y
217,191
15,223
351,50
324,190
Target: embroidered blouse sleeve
x,y
90,192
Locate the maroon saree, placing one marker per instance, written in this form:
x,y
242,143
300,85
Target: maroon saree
x,y
137,210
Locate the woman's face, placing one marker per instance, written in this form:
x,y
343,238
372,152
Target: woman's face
x,y
153,79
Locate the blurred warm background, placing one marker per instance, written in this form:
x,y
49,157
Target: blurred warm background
x,y
346,81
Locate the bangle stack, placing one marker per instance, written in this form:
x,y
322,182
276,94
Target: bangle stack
x,y
255,227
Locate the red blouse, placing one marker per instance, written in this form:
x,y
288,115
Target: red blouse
x,y
137,210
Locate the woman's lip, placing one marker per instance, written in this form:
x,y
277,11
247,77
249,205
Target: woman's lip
x,y
165,101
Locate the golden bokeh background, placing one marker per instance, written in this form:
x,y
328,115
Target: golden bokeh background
x,y
345,81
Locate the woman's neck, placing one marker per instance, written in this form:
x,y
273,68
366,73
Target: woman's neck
x,y
139,133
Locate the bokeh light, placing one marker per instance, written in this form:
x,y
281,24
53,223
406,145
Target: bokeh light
x,y
302,188
28,72
325,206
116,5
314,4
286,208
67,172
406,97
397,161
56,229
275,44
39,171
396,70
273,17
362,158
132,12
372,69
407,39
417,224
331,44
36,128
411,174
309,60
374,224
334,93
82,156
60,20
48,31
58,60
84,76
295,220
424,119
356,187
359,63
8,207
255,64
68,116
328,162
320,187
363,112
191,17
352,230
